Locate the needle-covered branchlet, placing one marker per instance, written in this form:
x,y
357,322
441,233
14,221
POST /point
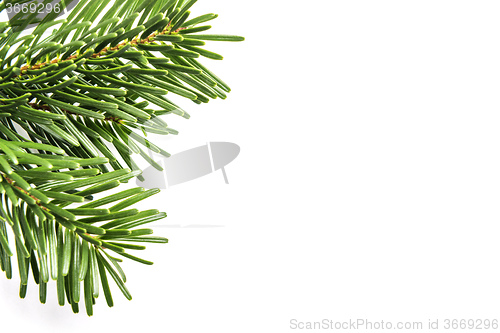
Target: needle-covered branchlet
x,y
78,98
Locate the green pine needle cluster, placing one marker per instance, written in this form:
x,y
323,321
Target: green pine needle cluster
x,y
78,97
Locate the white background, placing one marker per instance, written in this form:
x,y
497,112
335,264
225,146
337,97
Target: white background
x,y
367,185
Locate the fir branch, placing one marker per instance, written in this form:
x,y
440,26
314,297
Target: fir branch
x,y
69,101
